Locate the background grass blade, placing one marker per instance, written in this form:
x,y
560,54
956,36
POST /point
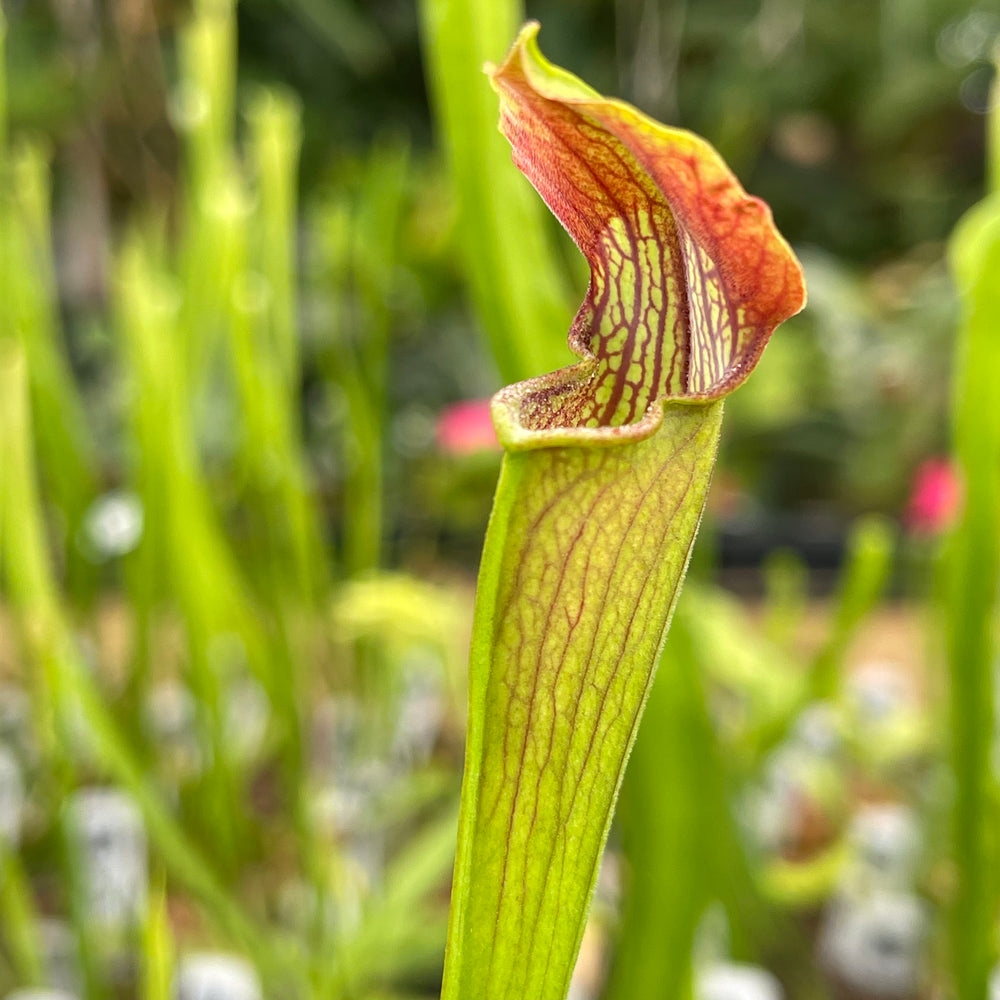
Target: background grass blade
x,y
668,837
518,293
971,567
67,688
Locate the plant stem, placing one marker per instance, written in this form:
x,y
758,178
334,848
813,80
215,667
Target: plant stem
x,y
971,570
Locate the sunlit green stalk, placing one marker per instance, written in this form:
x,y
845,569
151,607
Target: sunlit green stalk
x,y
518,293
275,138
157,948
207,96
204,103
971,568
27,290
18,915
23,544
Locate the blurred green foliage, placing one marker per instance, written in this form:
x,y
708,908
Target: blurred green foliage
x,y
235,295
860,123
971,571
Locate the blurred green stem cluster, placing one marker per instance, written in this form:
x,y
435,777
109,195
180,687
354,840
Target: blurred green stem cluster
x,y
228,591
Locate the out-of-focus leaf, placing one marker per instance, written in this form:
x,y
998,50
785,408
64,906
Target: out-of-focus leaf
x,y
356,40
519,294
971,569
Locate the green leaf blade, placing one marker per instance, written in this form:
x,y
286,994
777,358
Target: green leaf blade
x,y
970,574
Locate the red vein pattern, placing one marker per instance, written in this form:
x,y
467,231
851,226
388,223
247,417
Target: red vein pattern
x,y
585,594
689,277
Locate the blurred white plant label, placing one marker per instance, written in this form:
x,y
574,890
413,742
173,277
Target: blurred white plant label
x,y
11,798
111,839
734,981
216,976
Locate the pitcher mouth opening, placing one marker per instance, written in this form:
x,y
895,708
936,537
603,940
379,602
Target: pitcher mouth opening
x,y
528,414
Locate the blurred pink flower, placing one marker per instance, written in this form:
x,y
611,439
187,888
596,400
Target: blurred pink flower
x,y
934,497
465,428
